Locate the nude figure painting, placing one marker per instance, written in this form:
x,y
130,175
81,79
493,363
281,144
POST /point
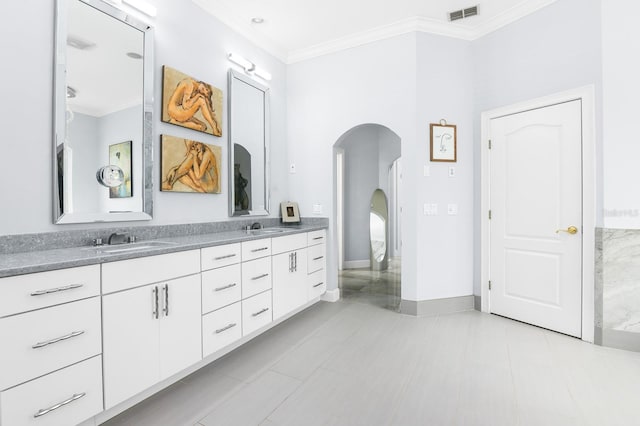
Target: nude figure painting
x,y
190,166
191,103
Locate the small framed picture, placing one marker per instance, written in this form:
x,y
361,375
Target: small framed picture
x,y
290,212
443,142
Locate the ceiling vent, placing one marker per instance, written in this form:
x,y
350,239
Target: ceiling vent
x,y
463,13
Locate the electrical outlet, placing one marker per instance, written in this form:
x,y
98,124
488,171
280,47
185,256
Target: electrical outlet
x,y
452,209
317,209
452,172
292,168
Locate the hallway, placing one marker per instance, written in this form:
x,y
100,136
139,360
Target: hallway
x,y
377,288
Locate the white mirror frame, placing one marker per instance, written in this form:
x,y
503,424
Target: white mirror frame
x,y
235,75
59,114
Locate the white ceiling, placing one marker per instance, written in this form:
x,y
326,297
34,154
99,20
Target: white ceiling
x,y
295,30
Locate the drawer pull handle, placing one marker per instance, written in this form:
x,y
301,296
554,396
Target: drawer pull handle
x,y
318,238
226,256
318,285
59,339
262,311
259,276
56,290
224,287
75,397
318,258
259,249
220,330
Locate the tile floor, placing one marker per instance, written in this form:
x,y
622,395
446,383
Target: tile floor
x,y
354,363
378,288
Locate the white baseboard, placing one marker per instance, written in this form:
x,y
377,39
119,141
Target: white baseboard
x,y
331,295
355,264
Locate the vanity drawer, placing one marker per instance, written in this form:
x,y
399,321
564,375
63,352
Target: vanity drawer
x,y
256,277
256,249
131,273
221,328
317,284
289,243
219,256
34,291
66,397
38,342
220,287
317,258
256,312
316,237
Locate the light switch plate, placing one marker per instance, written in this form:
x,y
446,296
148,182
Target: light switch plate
x,y
452,172
317,209
452,209
430,209
292,168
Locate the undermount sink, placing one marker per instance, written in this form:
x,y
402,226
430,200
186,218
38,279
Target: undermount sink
x,y
264,231
124,248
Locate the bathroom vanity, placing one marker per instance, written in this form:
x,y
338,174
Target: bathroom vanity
x,y
98,329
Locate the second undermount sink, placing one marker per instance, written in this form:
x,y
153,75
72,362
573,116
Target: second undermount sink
x,y
125,248
265,231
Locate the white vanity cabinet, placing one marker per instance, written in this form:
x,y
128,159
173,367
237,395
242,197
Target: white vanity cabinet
x,y
317,263
50,368
289,266
151,331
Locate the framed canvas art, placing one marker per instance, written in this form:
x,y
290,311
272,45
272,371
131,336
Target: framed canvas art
x,y
120,155
190,166
191,103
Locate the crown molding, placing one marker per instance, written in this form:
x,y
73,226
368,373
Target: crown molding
x,y
415,24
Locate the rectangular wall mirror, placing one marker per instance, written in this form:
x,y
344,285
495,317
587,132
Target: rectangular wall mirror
x,y
103,105
248,146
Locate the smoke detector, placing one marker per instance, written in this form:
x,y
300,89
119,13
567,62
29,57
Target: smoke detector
x,y
463,13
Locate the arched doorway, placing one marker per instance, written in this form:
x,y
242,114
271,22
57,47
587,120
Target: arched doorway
x,y
366,158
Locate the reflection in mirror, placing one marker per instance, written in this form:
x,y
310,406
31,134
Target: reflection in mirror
x,y
103,105
248,146
378,218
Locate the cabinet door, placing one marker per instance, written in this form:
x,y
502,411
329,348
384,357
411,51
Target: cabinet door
x,y
180,324
289,282
130,343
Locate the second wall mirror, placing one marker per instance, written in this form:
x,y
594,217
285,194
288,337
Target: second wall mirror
x,y
248,146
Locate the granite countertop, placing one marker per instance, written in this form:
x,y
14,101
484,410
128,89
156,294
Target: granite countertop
x,y
47,260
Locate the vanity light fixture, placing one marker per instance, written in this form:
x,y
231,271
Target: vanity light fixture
x,y
110,176
249,67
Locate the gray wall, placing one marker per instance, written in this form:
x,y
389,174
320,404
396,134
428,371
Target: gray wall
x,y
85,134
198,49
557,48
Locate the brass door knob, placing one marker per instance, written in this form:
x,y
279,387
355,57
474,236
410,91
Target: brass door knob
x,y
570,230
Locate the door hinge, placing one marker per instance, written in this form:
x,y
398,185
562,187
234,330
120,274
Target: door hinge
x,y
489,214
489,143
489,284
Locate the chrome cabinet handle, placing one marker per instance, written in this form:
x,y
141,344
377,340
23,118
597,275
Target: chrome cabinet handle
x,y
225,287
56,290
290,262
318,238
226,256
166,300
295,261
262,311
56,340
154,312
259,276
75,397
318,285
220,330
259,249
318,258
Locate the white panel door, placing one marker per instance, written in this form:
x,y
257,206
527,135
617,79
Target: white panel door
x,y
536,197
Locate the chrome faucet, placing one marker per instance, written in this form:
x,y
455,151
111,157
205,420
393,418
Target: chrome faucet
x,y
116,238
